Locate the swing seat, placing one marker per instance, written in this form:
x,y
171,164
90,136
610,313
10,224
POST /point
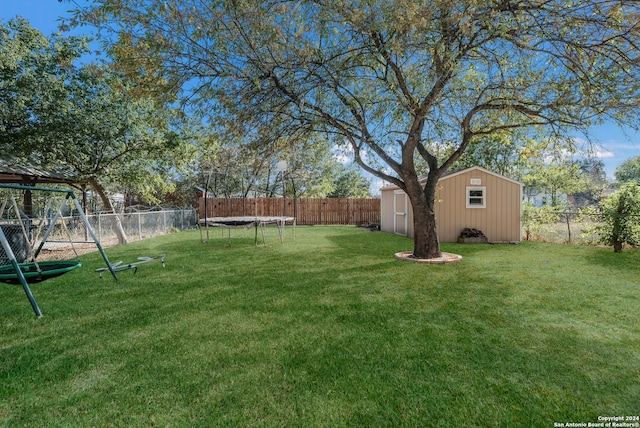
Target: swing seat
x,y
32,274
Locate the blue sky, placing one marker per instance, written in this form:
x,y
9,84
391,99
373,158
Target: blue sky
x,y
613,145
43,14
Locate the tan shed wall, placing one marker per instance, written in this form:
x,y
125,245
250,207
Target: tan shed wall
x,y
500,220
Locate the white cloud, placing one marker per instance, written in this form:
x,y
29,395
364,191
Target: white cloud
x,y
596,151
591,149
604,154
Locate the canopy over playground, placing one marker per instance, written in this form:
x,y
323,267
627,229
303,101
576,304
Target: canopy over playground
x,y
32,172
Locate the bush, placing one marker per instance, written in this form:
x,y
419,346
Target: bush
x,y
620,218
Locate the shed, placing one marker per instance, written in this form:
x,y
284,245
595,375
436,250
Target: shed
x,y
471,198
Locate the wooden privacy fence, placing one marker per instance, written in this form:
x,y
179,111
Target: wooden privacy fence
x,y
307,211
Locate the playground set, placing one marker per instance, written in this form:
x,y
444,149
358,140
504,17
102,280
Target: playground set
x,y
24,236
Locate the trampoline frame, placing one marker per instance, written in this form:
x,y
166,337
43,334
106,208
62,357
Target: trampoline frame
x,y
20,275
256,222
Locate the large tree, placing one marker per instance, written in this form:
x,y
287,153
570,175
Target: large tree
x,y
387,77
85,119
33,72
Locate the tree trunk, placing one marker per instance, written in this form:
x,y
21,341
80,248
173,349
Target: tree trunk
x,y
122,237
617,246
426,244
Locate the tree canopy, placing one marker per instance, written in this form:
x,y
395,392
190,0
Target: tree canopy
x,y
389,79
629,170
242,169
555,179
34,70
87,118
83,118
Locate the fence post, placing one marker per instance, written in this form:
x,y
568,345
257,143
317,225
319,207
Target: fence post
x,y
99,228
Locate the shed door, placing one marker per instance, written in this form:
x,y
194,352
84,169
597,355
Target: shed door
x,y
400,206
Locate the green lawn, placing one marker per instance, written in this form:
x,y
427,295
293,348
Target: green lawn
x,y
326,330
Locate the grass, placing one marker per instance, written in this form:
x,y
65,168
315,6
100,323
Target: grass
x,y
326,330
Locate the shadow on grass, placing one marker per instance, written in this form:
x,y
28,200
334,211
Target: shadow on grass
x,y
629,259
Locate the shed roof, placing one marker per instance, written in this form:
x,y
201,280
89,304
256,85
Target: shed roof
x,y
450,174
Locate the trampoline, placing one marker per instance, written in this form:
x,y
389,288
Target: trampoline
x,y
250,221
37,272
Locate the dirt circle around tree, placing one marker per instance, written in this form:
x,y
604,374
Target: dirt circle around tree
x,y
445,258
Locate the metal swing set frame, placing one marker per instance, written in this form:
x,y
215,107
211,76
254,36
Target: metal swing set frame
x,y
33,271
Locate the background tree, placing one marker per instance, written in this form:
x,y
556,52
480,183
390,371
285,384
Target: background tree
x,y
555,180
387,77
536,219
349,183
311,170
244,169
629,170
595,179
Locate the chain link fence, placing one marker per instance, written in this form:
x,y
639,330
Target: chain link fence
x,y
69,236
557,226
572,227
142,225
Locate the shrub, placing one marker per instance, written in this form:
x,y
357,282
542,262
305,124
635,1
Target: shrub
x,y
620,218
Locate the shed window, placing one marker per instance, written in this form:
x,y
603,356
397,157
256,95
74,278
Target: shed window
x,y
476,197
